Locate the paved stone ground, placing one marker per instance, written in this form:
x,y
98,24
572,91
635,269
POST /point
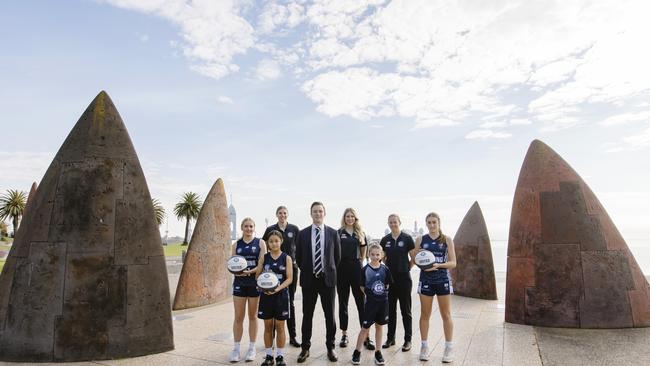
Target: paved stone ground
x,y
204,337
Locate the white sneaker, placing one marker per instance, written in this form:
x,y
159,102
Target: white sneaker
x,y
448,355
234,355
424,354
250,355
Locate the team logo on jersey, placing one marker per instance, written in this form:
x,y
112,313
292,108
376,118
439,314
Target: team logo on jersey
x,y
378,288
425,246
238,250
253,249
387,244
267,267
400,244
290,234
282,268
344,236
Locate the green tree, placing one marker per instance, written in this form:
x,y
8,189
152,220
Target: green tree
x,y
12,204
159,211
188,208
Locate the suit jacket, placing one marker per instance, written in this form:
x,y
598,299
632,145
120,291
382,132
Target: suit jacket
x,y
331,256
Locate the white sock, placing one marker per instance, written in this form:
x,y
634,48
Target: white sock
x,y
280,352
449,344
425,344
251,345
269,351
237,344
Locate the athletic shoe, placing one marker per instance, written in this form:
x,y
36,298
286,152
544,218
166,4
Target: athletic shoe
x,y
356,357
448,355
344,341
388,343
268,361
370,345
234,356
424,354
379,358
250,355
279,361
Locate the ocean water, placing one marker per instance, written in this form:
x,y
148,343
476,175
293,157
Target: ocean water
x,y
640,248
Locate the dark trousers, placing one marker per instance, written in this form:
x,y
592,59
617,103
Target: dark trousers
x,y
309,296
400,290
291,322
349,273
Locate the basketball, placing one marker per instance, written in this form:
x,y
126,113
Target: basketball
x,y
237,264
425,259
268,281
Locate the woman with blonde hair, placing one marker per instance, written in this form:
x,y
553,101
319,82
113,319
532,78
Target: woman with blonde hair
x,y
353,250
244,289
435,281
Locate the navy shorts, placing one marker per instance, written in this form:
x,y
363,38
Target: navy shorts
x,y
274,306
375,312
432,289
245,290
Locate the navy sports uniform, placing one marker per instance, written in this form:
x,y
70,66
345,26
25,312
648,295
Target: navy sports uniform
x,y
289,236
397,259
376,282
435,282
245,286
275,306
349,272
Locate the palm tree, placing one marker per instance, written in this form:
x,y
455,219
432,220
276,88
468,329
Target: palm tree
x,y
12,204
159,211
188,209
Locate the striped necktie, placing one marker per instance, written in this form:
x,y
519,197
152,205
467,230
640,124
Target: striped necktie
x,y
318,257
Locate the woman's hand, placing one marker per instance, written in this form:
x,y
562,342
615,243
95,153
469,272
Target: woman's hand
x,y
271,292
246,272
433,267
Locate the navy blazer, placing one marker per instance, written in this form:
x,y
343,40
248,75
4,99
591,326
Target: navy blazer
x,y
331,256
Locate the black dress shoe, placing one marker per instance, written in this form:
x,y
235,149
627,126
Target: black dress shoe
x,y
389,342
294,343
344,341
331,355
406,346
302,357
370,345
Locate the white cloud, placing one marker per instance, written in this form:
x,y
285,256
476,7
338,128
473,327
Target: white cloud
x,y
224,99
437,63
212,32
625,118
23,168
144,38
487,134
631,143
267,70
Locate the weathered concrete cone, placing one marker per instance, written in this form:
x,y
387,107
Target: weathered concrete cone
x,y
568,265
30,197
474,272
204,278
86,277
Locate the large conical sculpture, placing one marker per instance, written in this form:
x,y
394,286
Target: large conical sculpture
x,y
474,272
204,279
568,265
30,198
86,276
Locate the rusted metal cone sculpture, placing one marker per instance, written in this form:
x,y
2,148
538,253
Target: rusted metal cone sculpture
x,y
568,265
86,277
204,278
30,198
474,273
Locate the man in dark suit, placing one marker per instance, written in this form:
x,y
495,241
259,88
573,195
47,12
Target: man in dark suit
x,y
318,253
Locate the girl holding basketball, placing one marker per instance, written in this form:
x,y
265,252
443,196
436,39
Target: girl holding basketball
x,y
274,304
244,289
435,281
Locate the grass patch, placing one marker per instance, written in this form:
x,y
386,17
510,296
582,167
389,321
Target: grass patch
x,y
174,249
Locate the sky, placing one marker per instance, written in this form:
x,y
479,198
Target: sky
x,y
388,107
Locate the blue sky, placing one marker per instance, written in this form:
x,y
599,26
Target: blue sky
x,y
384,106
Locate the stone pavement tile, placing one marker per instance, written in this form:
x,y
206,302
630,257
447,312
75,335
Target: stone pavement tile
x,y
520,346
159,359
594,346
486,346
48,364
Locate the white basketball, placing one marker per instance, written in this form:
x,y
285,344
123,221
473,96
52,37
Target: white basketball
x,y
425,259
237,264
268,281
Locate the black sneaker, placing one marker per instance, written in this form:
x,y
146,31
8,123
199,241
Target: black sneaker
x,y
370,345
356,357
379,358
279,361
388,343
268,361
344,341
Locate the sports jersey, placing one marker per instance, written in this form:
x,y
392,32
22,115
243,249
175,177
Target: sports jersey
x,y
439,250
